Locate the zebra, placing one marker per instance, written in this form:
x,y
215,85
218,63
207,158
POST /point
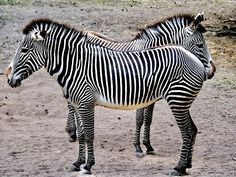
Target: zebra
x,y
91,75
171,30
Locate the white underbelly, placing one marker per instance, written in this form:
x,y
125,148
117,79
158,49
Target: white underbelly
x,y
101,101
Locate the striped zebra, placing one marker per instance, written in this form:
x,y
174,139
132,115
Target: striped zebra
x,y
91,75
172,30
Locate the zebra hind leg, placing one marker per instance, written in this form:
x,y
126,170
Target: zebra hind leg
x,y
139,123
148,113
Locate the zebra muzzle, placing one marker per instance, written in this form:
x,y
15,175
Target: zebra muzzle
x,y
14,82
11,80
212,70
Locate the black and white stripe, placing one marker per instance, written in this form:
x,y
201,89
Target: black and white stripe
x,y
173,30
91,74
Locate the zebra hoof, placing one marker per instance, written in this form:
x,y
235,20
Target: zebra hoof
x,y
72,137
74,169
176,173
84,171
71,140
139,154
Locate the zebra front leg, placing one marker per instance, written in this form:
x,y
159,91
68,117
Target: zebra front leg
x,y
193,134
81,139
188,132
71,125
87,117
81,157
139,123
148,113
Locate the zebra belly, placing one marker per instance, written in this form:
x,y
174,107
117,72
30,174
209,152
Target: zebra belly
x,y
101,101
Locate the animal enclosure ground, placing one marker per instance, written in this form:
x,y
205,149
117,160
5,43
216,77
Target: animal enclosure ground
x,y
33,117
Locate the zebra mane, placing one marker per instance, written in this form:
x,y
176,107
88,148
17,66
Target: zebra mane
x,y
35,23
99,35
187,17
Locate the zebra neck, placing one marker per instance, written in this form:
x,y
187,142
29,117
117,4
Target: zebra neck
x,y
149,38
64,56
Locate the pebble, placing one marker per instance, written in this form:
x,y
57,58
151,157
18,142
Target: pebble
x,y
1,72
46,111
102,145
121,149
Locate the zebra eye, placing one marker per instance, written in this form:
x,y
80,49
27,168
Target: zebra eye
x,y
200,45
24,50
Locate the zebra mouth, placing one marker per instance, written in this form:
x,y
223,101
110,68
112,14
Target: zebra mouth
x,y
14,82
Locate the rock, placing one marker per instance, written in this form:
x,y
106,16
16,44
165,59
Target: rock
x,y
102,145
46,111
121,149
1,72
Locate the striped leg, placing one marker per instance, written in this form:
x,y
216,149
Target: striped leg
x,y
188,132
193,139
87,118
81,139
139,123
143,115
71,125
180,108
148,113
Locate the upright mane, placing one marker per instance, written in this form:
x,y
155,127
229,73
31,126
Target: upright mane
x,y
43,23
185,19
188,18
101,36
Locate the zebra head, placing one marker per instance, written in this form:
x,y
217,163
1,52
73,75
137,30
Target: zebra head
x,y
196,44
29,57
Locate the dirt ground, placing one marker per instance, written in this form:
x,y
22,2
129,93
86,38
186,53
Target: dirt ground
x,y
33,142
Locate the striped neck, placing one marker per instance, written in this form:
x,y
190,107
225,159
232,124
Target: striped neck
x,y
169,31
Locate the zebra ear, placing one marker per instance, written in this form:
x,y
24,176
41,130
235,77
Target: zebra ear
x,y
197,20
39,35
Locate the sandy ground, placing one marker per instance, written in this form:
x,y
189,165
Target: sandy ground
x,y
33,117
